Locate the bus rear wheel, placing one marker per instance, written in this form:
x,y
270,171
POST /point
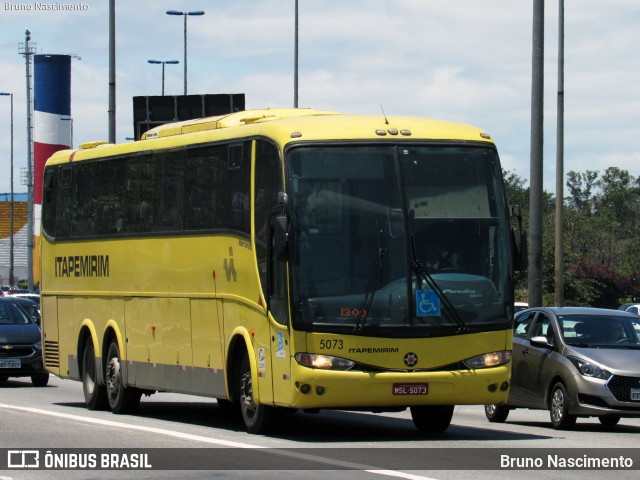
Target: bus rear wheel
x,y
122,399
432,418
95,395
257,418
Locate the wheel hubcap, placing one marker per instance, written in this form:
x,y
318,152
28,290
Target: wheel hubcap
x,y
557,406
113,375
246,394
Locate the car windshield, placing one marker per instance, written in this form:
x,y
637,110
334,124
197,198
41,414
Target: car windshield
x,y
11,314
600,330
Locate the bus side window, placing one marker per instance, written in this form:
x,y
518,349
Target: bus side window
x,y
49,201
64,202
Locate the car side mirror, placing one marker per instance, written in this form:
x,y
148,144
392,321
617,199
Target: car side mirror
x,y
540,341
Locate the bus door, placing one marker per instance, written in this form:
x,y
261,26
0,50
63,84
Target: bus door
x,y
278,313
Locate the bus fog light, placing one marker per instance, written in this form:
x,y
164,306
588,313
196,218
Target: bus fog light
x,y
493,387
320,390
305,388
504,386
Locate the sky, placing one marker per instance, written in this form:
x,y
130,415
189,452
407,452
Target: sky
x,y
461,60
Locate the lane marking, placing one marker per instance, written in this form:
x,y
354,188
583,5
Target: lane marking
x,y
225,443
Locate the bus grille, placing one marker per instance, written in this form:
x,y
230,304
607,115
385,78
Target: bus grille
x,y
51,354
621,387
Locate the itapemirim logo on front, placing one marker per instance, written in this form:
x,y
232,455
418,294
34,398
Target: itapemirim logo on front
x,y
44,7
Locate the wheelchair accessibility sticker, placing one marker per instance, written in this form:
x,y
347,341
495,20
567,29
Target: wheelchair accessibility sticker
x,y
427,303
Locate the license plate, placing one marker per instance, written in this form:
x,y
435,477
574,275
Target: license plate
x,y
10,364
410,388
635,394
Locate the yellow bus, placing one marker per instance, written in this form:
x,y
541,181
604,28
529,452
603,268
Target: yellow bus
x,y
275,259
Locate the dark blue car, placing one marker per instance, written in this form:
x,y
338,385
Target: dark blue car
x,y
20,345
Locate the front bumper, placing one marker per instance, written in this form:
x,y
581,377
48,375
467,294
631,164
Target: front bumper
x,y
30,360
612,397
357,389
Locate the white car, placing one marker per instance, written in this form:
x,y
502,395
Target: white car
x,y
630,307
519,306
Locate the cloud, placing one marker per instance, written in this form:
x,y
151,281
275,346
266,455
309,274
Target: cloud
x,y
465,60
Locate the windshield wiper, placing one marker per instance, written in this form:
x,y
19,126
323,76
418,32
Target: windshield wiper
x,y
448,307
372,285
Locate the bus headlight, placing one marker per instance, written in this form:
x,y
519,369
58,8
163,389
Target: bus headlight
x,y
325,362
487,360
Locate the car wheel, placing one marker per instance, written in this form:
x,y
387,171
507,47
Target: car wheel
x,y
559,408
496,413
257,418
609,420
40,380
432,418
121,399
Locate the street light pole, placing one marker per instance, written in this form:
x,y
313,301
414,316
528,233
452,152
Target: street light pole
x,y
185,15
158,62
11,278
559,260
28,49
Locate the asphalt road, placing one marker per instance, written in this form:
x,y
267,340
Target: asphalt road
x,y
177,436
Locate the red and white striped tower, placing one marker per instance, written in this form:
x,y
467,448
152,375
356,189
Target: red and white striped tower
x,y
52,125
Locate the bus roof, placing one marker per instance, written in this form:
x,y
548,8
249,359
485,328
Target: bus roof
x,y
283,125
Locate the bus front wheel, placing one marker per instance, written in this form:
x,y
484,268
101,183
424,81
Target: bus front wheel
x,y
432,418
95,395
257,418
122,399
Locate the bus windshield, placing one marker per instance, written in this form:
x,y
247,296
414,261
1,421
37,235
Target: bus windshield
x,y
402,240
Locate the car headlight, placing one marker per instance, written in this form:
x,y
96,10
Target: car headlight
x,y
37,346
325,362
487,360
589,369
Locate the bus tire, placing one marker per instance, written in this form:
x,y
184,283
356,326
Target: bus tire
x,y
432,418
228,406
121,399
257,418
95,395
